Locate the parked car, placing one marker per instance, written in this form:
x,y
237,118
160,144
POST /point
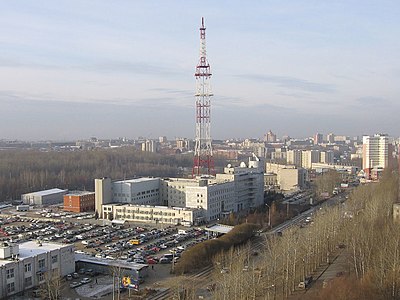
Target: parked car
x,y
164,260
74,284
86,280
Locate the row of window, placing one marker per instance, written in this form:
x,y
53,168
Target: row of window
x,y
28,266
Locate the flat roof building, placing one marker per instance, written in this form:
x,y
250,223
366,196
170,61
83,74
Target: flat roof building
x,y
30,264
79,201
46,197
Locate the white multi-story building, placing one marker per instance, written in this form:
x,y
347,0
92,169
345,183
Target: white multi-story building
x,y
249,185
31,264
206,198
293,157
288,177
375,151
142,191
154,214
327,157
150,146
308,157
174,190
217,199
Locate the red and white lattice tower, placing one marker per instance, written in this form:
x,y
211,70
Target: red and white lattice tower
x,y
203,163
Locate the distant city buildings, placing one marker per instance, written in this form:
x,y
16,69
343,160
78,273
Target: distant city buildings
x,y
150,146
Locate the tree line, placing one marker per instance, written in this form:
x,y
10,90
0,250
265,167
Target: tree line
x,y
23,171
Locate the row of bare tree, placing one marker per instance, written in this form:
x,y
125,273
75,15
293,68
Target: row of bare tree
x,y
23,171
363,225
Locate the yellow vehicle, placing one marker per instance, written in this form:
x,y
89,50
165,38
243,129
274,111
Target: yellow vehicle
x,y
134,242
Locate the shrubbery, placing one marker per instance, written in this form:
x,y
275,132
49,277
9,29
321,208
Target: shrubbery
x,y
201,255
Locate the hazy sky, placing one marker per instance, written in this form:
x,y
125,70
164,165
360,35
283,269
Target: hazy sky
x,y
75,69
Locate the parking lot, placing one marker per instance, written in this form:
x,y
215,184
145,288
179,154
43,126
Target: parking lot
x,y
157,247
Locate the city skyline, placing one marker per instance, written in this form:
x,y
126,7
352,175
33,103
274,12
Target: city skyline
x,y
75,69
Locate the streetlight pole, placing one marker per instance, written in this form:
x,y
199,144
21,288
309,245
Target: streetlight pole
x,y
269,215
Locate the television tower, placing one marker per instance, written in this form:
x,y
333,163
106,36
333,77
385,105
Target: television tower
x,y
203,163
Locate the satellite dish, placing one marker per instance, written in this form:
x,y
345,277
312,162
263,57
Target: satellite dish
x,y
229,166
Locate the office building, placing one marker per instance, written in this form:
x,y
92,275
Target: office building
x,y
206,198
31,264
79,201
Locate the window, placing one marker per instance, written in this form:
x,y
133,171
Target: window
x,y
41,277
28,281
54,259
10,273
28,268
10,287
41,264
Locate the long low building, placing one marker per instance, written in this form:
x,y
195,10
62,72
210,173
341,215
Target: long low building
x,y
119,268
46,197
153,214
30,264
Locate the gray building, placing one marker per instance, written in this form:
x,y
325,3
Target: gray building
x,y
46,197
31,264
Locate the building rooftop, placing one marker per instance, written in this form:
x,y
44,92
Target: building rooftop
x,y
137,180
33,248
219,228
47,192
79,193
123,264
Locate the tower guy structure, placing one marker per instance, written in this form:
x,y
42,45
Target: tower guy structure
x,y
203,163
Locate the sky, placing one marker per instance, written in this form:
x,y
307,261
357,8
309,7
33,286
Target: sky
x,y
75,69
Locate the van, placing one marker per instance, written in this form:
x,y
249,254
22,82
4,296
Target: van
x,y
134,242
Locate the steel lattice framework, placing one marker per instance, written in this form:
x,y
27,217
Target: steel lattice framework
x,y
203,163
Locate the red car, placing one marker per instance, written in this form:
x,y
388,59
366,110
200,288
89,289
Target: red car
x,y
151,261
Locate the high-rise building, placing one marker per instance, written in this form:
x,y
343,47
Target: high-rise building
x,y
308,157
270,137
318,138
330,138
375,151
293,157
149,146
327,157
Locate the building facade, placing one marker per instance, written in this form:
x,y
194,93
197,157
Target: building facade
x,y
375,152
153,214
46,197
31,264
79,201
293,157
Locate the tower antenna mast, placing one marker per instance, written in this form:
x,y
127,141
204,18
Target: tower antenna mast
x,y
203,162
